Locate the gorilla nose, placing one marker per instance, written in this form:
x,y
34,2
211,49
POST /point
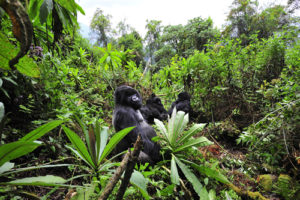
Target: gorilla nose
x,y
135,98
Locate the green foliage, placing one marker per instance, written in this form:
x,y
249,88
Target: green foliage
x,y
176,141
26,144
26,65
97,148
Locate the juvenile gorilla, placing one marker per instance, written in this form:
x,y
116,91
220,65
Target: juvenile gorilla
x,y
126,114
154,109
182,103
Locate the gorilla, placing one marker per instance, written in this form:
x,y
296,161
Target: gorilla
x,y
182,103
154,109
128,101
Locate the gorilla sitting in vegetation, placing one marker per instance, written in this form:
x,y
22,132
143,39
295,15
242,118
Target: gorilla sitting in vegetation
x,y
182,103
154,109
127,114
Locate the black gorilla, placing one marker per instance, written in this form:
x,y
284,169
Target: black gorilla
x,y
154,109
182,103
127,114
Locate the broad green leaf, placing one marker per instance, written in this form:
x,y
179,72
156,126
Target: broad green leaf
x,y
212,173
40,131
80,9
6,167
70,5
33,8
85,131
194,142
35,167
80,146
92,145
174,171
48,180
85,193
138,180
103,141
45,10
8,51
161,127
28,67
60,14
192,131
192,179
2,111
14,150
114,141
212,194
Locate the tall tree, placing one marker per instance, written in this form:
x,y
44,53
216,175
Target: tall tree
x,y
154,29
101,26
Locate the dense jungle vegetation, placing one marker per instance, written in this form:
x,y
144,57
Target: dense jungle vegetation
x,y
241,141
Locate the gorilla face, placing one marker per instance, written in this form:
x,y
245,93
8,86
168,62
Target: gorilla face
x,y
154,109
127,96
184,96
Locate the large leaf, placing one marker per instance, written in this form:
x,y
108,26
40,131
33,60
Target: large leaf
x,y
45,10
103,141
48,180
138,180
174,171
114,141
210,172
33,8
199,189
42,130
161,127
82,151
6,167
194,142
8,51
14,150
192,131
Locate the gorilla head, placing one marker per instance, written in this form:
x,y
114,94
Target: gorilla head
x,y
127,96
183,96
154,109
182,103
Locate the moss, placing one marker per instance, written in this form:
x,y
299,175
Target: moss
x,y
266,181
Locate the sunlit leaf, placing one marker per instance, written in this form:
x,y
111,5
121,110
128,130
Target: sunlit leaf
x,y
139,181
14,150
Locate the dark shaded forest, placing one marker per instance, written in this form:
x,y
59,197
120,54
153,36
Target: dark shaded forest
x,y
234,134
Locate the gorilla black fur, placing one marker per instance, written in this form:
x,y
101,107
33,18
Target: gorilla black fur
x,y
127,114
182,103
154,109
